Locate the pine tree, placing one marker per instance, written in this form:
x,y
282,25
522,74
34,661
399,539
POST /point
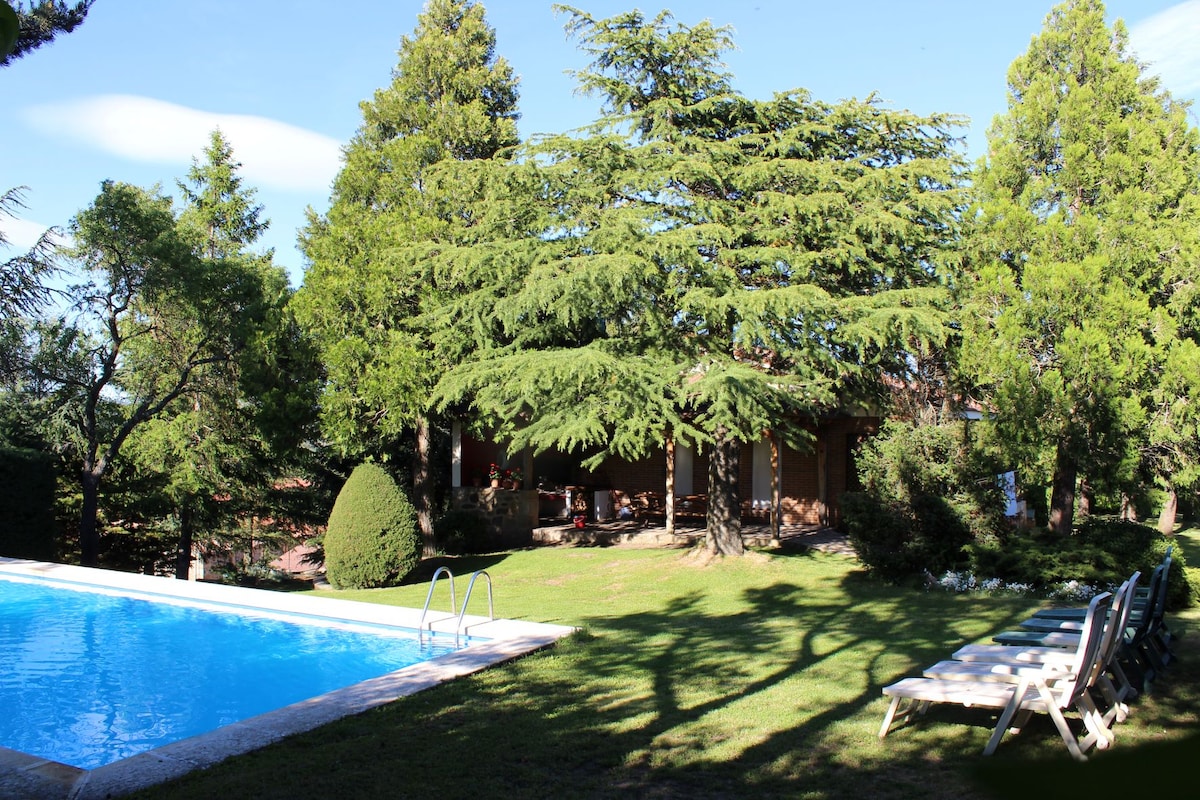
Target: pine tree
x,y
218,446
452,98
696,266
24,289
217,206
1085,256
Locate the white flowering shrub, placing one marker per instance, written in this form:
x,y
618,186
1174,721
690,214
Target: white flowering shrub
x,y
1074,591
960,582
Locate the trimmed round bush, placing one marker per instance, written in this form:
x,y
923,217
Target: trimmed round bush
x,y
372,538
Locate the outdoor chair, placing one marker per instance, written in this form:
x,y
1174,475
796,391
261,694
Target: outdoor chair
x,y
1155,642
1018,692
1111,681
1137,657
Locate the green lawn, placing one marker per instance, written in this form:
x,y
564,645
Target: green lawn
x,y
758,677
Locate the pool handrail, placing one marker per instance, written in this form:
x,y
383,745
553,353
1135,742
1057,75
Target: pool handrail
x,y
429,596
467,599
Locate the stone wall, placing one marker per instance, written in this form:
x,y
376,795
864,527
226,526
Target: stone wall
x,y
511,515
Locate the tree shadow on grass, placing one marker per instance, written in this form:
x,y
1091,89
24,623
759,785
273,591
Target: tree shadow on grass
x,y
774,695
459,566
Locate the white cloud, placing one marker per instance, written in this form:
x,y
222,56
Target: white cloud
x,y
1167,42
273,154
22,234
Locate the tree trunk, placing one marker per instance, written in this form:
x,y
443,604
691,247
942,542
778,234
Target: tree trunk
x,y
89,535
669,498
422,491
723,535
1086,498
1062,492
183,556
1166,519
1128,510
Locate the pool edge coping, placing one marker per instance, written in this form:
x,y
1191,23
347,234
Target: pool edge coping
x,y
506,640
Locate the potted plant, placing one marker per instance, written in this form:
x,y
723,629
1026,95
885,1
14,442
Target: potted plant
x,y
495,474
515,477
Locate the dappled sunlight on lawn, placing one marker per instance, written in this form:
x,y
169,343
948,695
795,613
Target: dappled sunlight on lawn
x,y
757,677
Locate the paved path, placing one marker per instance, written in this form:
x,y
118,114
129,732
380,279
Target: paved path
x,y
826,540
635,534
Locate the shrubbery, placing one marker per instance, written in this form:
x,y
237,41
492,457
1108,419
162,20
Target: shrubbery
x,y
372,538
461,532
926,511
1102,552
922,503
27,524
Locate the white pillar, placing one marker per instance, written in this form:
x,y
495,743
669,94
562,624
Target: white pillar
x,y
684,458
456,454
761,475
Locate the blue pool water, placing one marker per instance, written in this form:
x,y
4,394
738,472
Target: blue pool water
x,y
88,678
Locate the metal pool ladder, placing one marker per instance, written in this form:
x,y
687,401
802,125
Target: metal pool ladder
x,y
467,599
437,574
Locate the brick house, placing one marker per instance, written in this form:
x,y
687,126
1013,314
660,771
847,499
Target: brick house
x,y
555,488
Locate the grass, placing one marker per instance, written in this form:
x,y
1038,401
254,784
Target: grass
x,y
753,677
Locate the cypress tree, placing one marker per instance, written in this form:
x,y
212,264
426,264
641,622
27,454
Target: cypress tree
x,y
1080,308
452,98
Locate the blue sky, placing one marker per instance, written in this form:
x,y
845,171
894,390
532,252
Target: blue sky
x,y
134,92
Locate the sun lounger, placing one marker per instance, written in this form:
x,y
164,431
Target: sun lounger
x,y
1018,692
1139,657
1111,682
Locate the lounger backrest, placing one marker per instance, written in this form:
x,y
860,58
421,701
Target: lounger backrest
x,y
1118,620
1157,608
1088,651
1139,621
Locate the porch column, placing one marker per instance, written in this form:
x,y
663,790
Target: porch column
x,y
822,478
776,491
669,498
456,454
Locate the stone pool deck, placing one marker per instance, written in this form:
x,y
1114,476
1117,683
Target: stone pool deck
x,y
26,776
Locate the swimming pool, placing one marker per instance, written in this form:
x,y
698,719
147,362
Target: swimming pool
x,y
176,684
88,678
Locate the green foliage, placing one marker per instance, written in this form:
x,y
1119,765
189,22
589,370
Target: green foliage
x,y
24,289
452,98
372,538
10,28
1102,552
24,29
1081,313
27,525
925,499
694,265
167,316
218,210
236,431
462,532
